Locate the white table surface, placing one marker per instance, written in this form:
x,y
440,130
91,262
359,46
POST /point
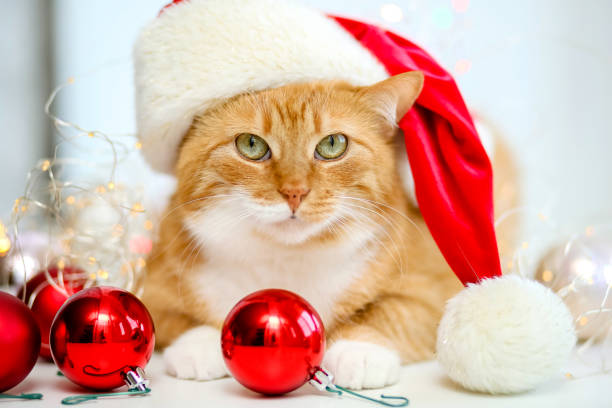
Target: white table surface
x,y
424,384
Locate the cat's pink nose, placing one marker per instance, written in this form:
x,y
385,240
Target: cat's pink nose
x,y
294,196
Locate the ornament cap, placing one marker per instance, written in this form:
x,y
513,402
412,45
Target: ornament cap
x,y
136,380
322,379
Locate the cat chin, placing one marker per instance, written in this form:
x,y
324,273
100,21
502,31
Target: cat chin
x,y
277,223
292,231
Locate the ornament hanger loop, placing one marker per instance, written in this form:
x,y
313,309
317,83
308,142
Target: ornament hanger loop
x,y
403,401
323,381
134,379
77,399
23,396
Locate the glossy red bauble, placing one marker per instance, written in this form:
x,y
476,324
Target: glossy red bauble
x,y
19,341
99,334
273,341
45,299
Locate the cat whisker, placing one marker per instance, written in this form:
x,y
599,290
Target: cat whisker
x,y
169,212
183,226
380,214
358,218
386,219
378,203
345,226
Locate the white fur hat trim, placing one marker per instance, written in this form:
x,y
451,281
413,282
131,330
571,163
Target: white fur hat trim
x,y
201,51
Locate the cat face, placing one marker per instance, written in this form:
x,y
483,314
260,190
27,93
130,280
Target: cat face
x,y
295,163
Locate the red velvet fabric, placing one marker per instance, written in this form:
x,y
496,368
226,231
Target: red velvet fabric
x,y
452,173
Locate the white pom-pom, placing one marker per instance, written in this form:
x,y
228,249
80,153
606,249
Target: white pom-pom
x,y
505,335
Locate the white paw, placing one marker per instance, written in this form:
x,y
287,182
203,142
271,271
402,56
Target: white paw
x,y
358,365
196,355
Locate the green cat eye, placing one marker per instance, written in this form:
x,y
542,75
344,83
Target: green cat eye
x,y
331,147
252,147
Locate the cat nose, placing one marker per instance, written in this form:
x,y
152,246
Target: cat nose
x,y
294,196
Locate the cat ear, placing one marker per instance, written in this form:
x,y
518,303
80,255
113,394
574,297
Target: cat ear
x,y
396,95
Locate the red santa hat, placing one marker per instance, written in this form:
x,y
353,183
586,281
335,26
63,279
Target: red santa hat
x,y
500,334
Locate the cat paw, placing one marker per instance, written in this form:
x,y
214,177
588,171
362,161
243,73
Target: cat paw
x,y
196,355
358,365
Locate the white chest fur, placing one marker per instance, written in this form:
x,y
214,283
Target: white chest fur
x,y
239,262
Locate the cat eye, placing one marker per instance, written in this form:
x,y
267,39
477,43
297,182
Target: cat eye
x,y
331,147
252,147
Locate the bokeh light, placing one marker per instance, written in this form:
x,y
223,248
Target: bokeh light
x,y
462,66
391,12
460,6
442,17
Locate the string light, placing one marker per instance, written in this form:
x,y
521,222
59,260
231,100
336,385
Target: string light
x,y
584,268
102,274
88,226
5,242
137,208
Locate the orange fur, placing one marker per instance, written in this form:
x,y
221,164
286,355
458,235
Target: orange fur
x,y
398,299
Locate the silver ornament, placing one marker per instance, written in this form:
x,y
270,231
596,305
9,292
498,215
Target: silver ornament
x,y
29,253
580,272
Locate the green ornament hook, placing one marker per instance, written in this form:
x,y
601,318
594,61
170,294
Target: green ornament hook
x,y
134,379
403,401
33,396
77,399
324,381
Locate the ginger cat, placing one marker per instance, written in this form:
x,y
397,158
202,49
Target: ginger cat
x,y
300,188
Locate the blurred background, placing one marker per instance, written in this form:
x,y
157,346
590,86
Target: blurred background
x,y
539,72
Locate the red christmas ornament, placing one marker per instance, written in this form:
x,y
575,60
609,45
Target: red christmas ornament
x,y
19,341
45,299
101,337
273,341
33,284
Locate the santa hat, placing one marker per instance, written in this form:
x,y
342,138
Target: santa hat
x,y
500,334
